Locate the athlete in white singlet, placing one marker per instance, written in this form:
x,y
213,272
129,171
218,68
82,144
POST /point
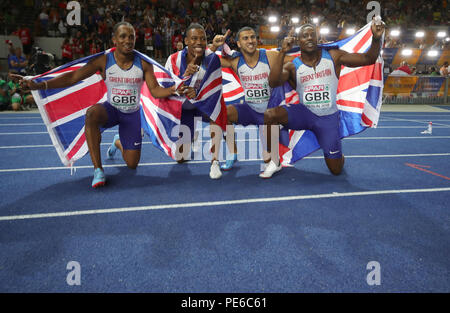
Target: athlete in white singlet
x,y
314,75
253,68
124,74
194,63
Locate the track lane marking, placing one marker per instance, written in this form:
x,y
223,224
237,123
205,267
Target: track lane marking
x,y
209,161
220,203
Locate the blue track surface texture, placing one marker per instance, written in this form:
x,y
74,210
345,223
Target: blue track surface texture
x,y
169,228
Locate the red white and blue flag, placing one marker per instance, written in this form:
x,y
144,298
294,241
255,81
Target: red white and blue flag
x,y
209,98
63,110
359,97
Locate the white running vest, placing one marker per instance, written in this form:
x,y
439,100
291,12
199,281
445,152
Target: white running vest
x,y
317,88
124,86
255,82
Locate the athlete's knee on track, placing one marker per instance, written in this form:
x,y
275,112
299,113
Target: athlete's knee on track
x,y
335,165
132,164
336,170
131,158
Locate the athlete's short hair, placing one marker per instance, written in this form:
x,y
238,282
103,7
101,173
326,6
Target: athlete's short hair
x,y
116,27
194,26
243,29
306,25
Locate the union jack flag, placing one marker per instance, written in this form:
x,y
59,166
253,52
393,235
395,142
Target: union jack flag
x,y
63,110
359,97
209,98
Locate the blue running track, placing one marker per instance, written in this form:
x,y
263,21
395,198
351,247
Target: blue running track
x,y
169,228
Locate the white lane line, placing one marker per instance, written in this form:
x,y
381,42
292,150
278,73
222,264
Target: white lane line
x,y
20,117
402,114
22,124
40,133
248,140
27,146
25,133
12,170
220,203
417,127
393,138
51,146
421,121
238,129
416,121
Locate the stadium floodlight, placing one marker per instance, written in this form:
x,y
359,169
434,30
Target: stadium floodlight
x,y
406,52
441,34
447,39
272,19
350,31
432,53
324,31
395,33
275,29
295,20
297,30
315,20
420,34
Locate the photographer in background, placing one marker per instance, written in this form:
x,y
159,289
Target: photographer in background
x,y
40,62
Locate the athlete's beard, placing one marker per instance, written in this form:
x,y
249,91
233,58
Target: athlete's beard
x,y
250,54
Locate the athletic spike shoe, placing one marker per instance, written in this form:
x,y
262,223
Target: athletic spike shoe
x,y
112,149
214,172
271,169
231,158
99,178
263,166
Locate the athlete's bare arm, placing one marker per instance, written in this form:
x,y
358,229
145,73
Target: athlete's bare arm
x,y
217,42
155,89
281,71
341,57
68,79
272,54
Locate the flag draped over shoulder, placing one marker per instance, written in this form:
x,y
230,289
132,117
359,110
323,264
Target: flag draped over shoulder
x,y
63,110
359,97
209,98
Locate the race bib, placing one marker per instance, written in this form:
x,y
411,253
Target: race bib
x,y
317,96
124,97
256,93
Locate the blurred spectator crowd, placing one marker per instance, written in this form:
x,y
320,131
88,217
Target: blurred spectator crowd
x,y
161,24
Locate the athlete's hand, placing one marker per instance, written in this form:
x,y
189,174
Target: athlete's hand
x,y
193,66
288,42
173,90
219,40
25,84
189,92
377,28
191,69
